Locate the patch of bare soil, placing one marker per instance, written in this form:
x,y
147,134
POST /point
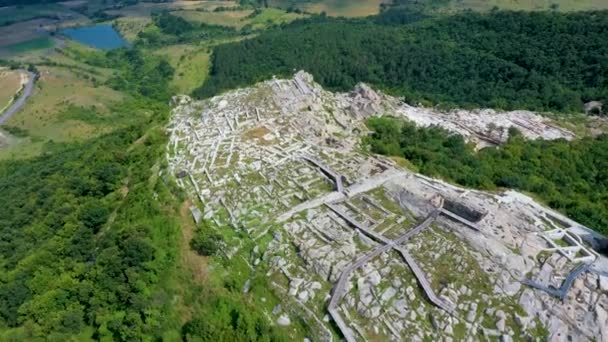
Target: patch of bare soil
x,y
191,261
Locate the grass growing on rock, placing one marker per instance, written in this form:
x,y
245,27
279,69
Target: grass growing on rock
x,y
446,273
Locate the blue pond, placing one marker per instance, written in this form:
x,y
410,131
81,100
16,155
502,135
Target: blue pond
x,y
102,37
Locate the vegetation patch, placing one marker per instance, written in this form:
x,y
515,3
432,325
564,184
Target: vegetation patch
x,y
569,176
466,60
10,83
235,19
13,14
335,8
31,45
256,133
530,5
130,27
271,16
191,64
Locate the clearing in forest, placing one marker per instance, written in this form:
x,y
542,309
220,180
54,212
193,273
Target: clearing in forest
x,y
336,8
145,9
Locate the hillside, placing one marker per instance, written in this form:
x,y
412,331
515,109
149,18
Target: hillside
x,y
331,229
498,59
431,174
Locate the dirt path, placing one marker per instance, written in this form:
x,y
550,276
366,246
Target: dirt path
x,y
20,102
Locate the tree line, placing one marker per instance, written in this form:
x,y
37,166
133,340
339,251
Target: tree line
x,y
539,61
570,176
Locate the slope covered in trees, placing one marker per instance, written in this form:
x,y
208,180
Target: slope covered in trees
x,y
569,176
77,248
90,235
539,61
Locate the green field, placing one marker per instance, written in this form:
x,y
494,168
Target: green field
x,y
63,102
49,114
15,14
235,19
31,45
529,5
335,8
145,9
239,19
191,65
129,27
10,83
272,16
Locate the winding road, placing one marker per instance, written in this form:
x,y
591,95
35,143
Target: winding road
x,y
25,93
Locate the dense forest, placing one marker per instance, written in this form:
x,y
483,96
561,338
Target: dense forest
x,y
539,61
569,176
82,241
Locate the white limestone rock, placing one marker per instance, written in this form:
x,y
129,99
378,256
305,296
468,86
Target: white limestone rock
x,y
283,320
603,283
388,294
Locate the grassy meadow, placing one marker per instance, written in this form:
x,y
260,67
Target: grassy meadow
x,y
529,5
145,9
334,8
191,65
10,83
236,19
44,117
31,45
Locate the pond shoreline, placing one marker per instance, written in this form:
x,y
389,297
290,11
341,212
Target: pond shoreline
x,y
102,36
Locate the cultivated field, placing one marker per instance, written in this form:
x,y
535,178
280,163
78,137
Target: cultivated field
x,y
13,14
235,19
35,44
23,31
529,5
272,16
335,8
144,9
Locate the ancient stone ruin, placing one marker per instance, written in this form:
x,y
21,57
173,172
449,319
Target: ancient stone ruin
x,y
354,238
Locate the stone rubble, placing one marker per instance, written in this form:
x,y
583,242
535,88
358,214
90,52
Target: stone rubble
x,y
247,156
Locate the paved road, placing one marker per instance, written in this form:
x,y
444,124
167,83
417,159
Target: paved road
x,y
25,93
29,87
